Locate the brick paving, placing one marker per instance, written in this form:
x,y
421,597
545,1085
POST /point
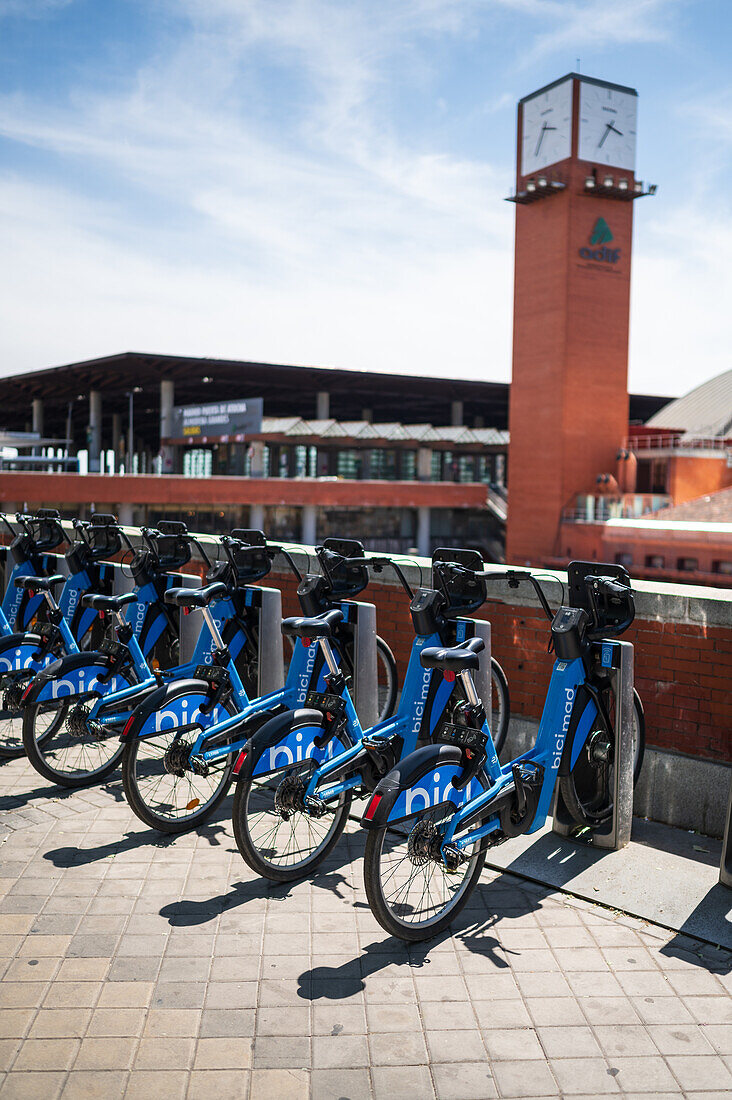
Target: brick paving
x,y
137,966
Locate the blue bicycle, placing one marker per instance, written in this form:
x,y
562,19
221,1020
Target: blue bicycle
x,y
300,771
56,627
73,705
182,744
432,818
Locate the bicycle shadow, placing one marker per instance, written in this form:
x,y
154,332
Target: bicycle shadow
x,y
472,930
70,856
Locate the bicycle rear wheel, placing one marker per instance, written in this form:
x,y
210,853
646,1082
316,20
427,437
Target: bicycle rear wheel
x,y
411,893
63,747
162,787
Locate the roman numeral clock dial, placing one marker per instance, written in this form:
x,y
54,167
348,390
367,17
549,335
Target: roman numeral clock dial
x,y
607,126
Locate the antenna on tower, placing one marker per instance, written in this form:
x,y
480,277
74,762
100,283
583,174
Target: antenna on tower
x,y
578,65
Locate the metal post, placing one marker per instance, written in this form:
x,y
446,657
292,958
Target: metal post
x,y
725,867
37,421
131,432
617,658
256,517
365,673
424,545
309,524
116,440
271,669
95,430
167,398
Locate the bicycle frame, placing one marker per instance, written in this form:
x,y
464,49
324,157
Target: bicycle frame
x,y
306,672
425,695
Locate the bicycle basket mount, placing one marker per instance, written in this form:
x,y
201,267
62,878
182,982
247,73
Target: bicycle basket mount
x,y
345,580
463,592
612,613
171,544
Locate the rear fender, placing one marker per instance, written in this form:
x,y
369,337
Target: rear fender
x,y
17,653
170,707
286,739
76,674
421,781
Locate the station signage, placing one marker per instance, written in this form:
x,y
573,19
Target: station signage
x,y
219,418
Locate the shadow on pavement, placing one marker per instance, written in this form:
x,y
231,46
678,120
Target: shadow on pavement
x,y
78,857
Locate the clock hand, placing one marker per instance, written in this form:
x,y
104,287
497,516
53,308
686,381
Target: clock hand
x,y
615,129
541,138
608,128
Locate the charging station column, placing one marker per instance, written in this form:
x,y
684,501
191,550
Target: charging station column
x,y
725,867
362,616
616,659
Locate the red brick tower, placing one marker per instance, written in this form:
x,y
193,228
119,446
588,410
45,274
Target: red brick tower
x,y
574,217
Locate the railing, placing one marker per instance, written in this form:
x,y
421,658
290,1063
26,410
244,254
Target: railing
x,y
676,441
597,509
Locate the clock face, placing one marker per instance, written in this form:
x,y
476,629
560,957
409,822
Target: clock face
x,y
607,126
547,128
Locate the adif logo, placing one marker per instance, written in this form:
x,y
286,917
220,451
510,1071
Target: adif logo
x,y
569,694
601,234
304,678
439,791
421,700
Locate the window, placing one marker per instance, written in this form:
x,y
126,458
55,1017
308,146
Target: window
x,y
687,565
655,561
724,567
624,559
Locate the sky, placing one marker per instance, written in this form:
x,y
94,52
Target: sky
x,y
323,181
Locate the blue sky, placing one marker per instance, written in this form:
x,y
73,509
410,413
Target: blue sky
x,y
322,181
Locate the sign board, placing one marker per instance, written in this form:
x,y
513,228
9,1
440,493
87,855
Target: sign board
x,y
217,418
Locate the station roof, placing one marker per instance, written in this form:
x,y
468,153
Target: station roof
x,y
704,412
287,391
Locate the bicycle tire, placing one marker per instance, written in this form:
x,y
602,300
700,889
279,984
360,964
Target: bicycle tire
x,y
413,932
499,688
385,655
639,747
38,749
248,788
131,758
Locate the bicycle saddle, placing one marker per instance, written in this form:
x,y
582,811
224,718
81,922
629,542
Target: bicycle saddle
x,y
196,597
40,584
317,626
455,659
112,604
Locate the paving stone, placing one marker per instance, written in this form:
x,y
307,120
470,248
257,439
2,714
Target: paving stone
x,y
701,1072
60,1023
589,1076
284,1052
568,1042
273,1084
95,1085
524,1079
402,1083
217,1023
456,1081
160,1084
32,1086
164,1054
512,1044
40,1054
335,1084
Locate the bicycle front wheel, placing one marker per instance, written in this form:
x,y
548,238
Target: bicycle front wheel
x,y
410,890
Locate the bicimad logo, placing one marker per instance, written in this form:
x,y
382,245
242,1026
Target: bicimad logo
x,y
601,235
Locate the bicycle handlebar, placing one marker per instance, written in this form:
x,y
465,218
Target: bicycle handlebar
x,y
513,576
381,563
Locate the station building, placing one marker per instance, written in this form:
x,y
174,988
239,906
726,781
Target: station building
x,y
403,462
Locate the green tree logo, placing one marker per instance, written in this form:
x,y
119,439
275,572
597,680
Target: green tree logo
x,y
601,234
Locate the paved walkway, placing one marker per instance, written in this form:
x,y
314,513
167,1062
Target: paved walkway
x,y
134,966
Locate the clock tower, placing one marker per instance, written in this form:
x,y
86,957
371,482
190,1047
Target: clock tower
x,y
575,186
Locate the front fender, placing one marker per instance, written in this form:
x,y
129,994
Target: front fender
x,y
170,707
421,781
76,674
286,739
17,653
